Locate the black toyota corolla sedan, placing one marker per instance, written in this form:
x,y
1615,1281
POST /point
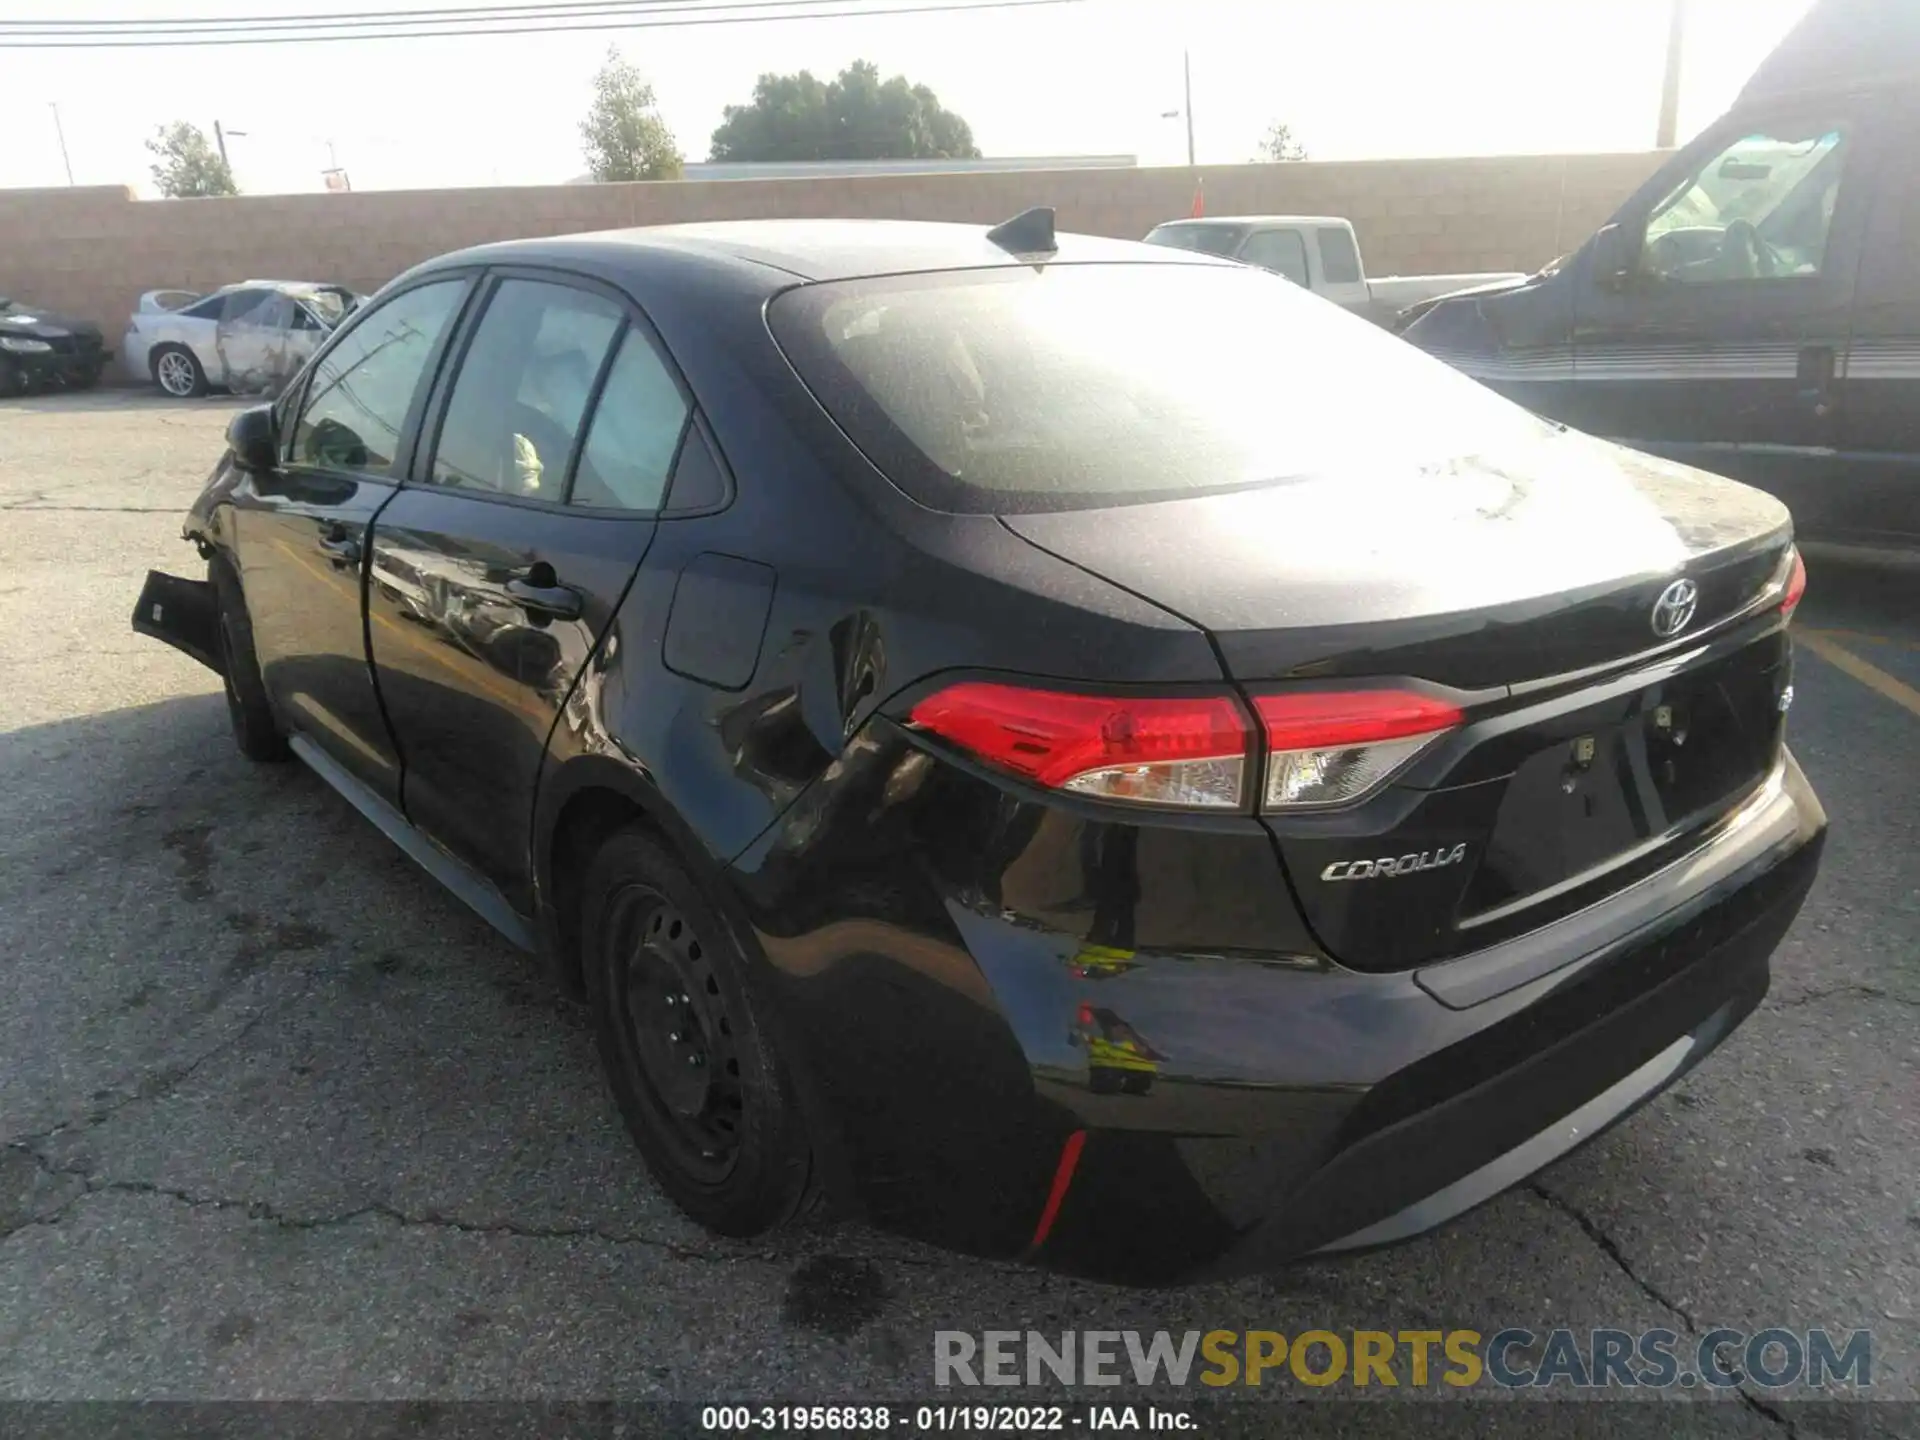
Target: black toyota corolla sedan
x,y
1079,749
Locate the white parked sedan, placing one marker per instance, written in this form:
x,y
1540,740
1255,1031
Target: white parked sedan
x,y
246,338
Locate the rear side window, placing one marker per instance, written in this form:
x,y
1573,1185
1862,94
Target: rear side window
x,y
1339,258
635,433
1012,389
1281,251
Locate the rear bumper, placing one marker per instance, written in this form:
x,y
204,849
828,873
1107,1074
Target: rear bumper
x,y
1468,1112
1235,1112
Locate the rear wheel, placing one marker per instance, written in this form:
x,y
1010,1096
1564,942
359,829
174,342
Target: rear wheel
x,y
255,730
177,371
679,1026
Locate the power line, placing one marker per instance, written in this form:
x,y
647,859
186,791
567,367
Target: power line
x,y
603,15
437,15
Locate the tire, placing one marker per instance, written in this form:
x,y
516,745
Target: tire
x,y
176,370
13,380
255,730
87,379
724,1136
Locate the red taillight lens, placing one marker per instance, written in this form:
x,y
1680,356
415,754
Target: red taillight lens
x,y
1335,747
1180,752
1796,586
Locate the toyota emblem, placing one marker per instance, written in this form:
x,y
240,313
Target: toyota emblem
x,y
1673,611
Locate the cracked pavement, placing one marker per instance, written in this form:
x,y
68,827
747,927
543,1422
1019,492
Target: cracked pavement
x,y
280,1119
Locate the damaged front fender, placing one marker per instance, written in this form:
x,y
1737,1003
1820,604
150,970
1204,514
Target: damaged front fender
x,y
184,614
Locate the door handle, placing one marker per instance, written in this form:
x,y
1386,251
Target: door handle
x,y
340,548
552,600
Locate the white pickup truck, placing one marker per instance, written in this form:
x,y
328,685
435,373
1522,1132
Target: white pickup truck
x,y
1318,252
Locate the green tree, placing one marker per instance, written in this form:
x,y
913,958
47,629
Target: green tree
x,y
1279,144
186,163
625,137
854,117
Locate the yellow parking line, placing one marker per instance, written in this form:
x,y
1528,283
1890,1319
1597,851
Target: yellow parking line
x,y
1871,676
1893,640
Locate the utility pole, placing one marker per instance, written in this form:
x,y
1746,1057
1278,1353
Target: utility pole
x,y
220,139
1186,61
1670,90
61,131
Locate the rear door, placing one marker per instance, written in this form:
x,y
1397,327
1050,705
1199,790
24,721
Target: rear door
x,y
1874,496
300,532
496,572
1722,345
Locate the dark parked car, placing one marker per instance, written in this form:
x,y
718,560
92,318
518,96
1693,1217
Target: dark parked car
x,y
1078,747
39,348
1755,307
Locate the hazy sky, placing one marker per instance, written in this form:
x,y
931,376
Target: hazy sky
x,y
1354,78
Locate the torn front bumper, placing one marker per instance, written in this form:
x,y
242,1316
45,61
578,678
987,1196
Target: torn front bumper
x,y
184,614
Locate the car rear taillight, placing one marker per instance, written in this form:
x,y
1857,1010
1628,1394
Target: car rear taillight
x,y
1796,585
1328,748
1188,753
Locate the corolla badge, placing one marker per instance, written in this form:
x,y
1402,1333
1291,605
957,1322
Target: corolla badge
x,y
1673,611
1393,866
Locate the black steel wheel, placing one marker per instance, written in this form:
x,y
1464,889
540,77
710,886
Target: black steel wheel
x,y
684,1045
675,1032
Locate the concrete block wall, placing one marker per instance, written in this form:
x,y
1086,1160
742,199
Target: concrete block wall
x,y
90,251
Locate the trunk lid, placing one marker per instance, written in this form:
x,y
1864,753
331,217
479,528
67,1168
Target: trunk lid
x,y
1593,749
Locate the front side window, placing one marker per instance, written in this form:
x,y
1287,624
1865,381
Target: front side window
x,y
358,399
523,390
1760,208
1281,251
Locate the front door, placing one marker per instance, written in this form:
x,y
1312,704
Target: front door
x,y
300,532
495,575
1875,500
1722,343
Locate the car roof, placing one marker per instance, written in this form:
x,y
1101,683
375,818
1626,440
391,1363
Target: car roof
x,y
811,250
1840,45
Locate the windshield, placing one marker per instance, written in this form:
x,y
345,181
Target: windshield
x,y
1220,240
1018,389
330,305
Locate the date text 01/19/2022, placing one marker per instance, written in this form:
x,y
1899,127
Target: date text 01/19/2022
x,y
935,1419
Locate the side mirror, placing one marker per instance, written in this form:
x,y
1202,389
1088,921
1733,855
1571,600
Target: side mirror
x,y
254,439
1613,258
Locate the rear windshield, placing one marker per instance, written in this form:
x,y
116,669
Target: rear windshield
x,y
1063,387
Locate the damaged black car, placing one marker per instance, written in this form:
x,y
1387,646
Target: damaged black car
x,y
1077,750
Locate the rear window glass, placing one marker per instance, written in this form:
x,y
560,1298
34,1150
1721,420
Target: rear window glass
x,y
1339,260
1016,389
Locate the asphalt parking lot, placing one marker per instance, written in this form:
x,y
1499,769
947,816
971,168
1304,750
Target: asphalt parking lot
x,y
280,1119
